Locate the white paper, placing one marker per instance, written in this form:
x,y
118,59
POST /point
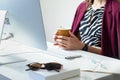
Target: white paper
x,y
111,66
100,66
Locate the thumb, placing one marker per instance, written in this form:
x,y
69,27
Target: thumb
x,y
71,34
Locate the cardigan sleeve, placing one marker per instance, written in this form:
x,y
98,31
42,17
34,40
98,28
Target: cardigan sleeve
x,y
78,16
111,30
118,32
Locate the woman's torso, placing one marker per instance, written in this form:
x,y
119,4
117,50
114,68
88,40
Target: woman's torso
x,y
91,26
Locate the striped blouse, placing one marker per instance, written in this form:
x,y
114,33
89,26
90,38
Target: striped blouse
x,y
91,27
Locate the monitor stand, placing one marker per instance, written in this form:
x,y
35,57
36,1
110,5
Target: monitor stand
x,y
3,14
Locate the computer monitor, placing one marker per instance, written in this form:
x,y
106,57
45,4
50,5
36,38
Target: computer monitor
x,y
26,21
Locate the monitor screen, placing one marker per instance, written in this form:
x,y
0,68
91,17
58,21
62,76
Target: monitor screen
x,y
26,21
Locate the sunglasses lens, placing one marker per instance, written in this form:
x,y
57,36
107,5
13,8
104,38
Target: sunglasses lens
x,y
34,66
53,66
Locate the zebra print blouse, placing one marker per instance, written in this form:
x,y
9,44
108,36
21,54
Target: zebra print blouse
x,y
91,27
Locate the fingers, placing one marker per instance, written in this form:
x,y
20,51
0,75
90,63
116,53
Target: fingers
x,y
54,37
62,37
63,46
59,40
63,41
55,43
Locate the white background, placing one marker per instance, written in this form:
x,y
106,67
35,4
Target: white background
x,y
57,13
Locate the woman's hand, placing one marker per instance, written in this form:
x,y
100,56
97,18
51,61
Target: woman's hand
x,y
68,43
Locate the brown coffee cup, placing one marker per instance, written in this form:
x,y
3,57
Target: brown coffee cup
x,y
63,32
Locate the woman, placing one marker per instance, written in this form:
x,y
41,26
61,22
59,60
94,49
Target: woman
x,y
96,24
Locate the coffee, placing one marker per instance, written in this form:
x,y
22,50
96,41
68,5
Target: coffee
x,y
63,32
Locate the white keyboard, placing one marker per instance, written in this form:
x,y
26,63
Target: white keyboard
x,y
66,54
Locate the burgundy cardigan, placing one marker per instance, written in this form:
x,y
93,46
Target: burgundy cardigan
x,y
110,39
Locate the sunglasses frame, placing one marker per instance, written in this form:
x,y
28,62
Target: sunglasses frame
x,y
48,66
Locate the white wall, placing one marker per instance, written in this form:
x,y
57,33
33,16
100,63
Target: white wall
x,y
57,13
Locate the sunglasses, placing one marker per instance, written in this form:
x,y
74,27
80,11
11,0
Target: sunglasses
x,y
48,66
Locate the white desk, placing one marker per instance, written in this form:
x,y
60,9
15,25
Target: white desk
x,y
17,71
